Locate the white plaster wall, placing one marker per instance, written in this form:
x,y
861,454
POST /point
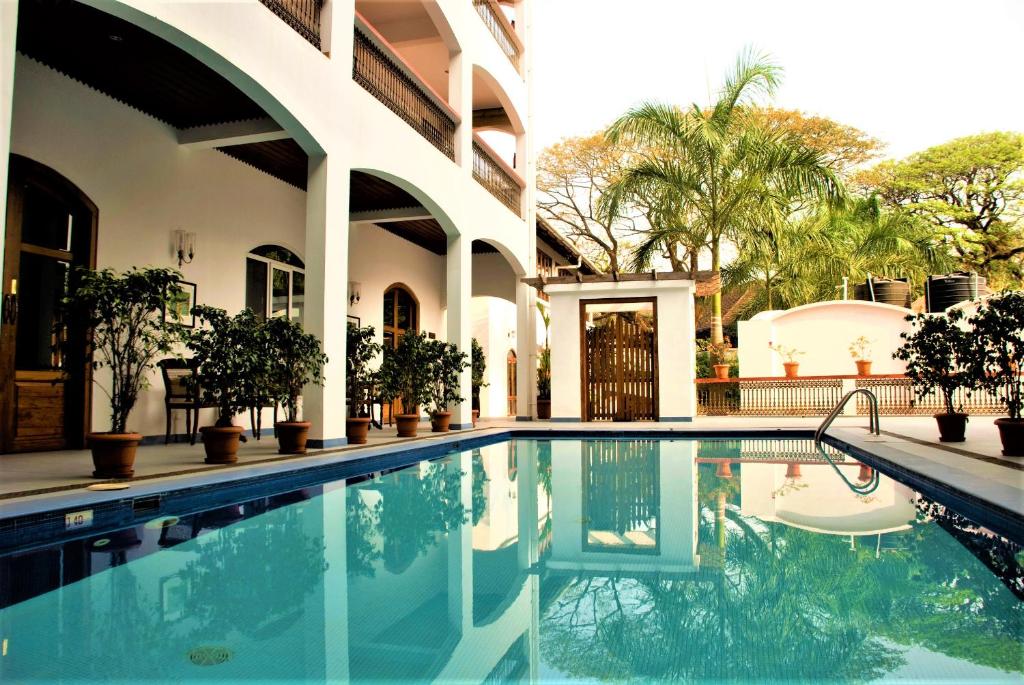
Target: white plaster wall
x,y
823,331
146,186
493,277
676,343
493,320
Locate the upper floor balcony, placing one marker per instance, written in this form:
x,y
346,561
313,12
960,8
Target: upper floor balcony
x,y
301,15
501,28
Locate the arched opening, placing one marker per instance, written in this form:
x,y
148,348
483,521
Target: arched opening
x,y
275,283
51,230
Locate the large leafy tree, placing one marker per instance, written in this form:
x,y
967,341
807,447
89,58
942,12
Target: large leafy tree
x,y
970,190
730,173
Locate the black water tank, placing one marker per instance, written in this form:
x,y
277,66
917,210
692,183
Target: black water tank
x,y
942,292
895,291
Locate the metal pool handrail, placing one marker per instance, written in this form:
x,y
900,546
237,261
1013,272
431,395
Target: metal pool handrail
x,y
865,489
873,416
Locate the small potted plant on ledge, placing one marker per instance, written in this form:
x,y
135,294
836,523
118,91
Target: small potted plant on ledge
x,y
860,350
124,313
717,357
361,350
232,353
934,351
997,362
446,366
479,361
544,384
405,376
789,362
296,360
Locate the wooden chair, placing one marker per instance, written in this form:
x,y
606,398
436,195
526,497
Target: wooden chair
x,y
256,415
178,396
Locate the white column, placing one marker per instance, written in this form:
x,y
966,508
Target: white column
x,y
8,33
460,551
526,352
458,282
526,496
460,97
335,588
327,200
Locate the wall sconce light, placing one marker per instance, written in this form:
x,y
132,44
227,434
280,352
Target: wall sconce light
x,y
184,246
354,293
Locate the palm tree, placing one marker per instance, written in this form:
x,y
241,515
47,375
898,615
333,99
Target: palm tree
x,y
728,172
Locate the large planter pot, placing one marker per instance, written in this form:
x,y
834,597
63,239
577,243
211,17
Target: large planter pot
x,y
113,454
440,421
291,436
721,371
951,427
543,409
863,367
221,443
407,424
1011,432
792,369
357,430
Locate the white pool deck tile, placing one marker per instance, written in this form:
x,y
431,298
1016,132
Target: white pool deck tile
x,y
42,480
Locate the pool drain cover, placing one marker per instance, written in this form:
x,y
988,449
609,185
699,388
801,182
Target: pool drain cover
x,y
209,655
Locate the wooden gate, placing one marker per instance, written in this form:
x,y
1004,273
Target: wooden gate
x,y
620,365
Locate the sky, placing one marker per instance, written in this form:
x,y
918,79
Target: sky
x,y
912,73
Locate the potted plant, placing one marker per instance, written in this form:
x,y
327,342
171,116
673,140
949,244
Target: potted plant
x,y
124,312
860,350
479,367
544,367
405,376
934,351
997,363
789,355
232,353
717,357
296,360
544,384
362,349
446,366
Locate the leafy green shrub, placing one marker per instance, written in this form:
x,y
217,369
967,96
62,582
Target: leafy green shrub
x,y
233,357
296,360
361,350
935,350
405,372
446,365
997,359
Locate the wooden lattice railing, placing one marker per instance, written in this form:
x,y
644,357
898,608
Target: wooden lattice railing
x,y
500,28
492,175
301,15
381,74
816,395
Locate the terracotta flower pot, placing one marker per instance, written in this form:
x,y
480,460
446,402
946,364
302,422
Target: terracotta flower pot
x,y
407,424
721,371
221,443
113,454
791,369
543,409
951,427
723,469
1011,432
863,367
440,421
357,429
292,436
865,473
792,470
476,416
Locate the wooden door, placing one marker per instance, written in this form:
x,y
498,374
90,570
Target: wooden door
x,y
50,230
620,374
401,314
511,379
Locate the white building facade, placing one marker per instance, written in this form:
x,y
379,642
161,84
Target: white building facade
x,y
332,160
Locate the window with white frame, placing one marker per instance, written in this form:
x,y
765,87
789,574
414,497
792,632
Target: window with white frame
x,y
275,283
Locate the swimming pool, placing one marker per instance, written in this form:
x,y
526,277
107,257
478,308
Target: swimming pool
x,y
742,560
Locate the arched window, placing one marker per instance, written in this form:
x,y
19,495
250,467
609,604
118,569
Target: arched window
x,y
275,283
511,377
401,314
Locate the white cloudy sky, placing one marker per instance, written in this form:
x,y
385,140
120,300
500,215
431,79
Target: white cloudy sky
x,y
913,73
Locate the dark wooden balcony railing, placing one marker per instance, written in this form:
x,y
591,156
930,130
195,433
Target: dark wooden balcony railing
x,y
301,15
492,175
380,73
816,395
499,27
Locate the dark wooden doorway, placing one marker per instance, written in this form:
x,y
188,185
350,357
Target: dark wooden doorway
x,y
619,346
511,379
401,314
51,229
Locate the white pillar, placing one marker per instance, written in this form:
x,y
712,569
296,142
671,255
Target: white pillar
x,y
327,200
460,96
8,33
526,352
335,586
526,496
458,282
460,551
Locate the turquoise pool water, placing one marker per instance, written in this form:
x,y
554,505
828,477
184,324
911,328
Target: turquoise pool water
x,y
565,560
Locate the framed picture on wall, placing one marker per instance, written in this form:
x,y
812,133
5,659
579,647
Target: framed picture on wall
x,y
353,320
180,308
